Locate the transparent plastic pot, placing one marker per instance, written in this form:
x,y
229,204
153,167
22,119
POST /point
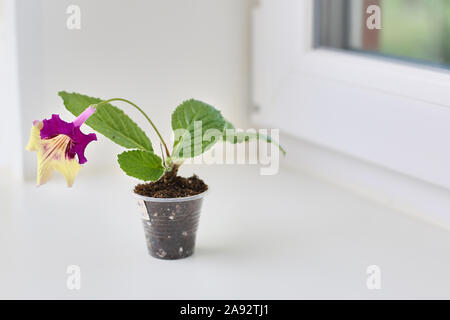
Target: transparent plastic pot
x,y
170,225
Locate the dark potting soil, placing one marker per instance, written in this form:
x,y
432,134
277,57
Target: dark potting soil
x,y
172,186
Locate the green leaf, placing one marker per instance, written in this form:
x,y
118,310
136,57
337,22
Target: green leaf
x,y
228,125
232,136
184,117
108,120
140,164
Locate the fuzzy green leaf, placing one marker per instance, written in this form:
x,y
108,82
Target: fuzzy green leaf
x,y
195,138
140,164
108,120
232,136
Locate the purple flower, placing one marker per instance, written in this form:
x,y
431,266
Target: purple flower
x,y
57,143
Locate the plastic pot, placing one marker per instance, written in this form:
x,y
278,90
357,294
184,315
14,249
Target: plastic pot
x,y
170,225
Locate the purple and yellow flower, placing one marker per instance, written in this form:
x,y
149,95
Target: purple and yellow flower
x,y
58,145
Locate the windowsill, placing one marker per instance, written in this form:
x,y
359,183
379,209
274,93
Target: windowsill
x,y
260,237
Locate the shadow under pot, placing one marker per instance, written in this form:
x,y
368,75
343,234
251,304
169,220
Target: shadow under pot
x,y
170,225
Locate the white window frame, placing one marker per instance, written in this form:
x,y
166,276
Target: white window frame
x,y
333,98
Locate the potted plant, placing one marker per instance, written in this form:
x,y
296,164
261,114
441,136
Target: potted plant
x,y
170,204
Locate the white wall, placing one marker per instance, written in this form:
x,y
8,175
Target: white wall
x,y
154,52
10,135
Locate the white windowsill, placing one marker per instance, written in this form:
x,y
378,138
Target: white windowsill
x,y
284,236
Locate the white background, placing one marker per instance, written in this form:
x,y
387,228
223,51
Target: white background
x,y
291,235
154,53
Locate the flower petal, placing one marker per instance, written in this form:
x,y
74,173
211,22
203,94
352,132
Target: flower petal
x,y
55,126
54,151
44,174
53,155
80,142
69,169
34,142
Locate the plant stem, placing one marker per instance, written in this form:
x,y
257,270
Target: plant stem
x,y
144,114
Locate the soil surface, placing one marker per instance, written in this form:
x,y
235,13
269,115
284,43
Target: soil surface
x,y
172,186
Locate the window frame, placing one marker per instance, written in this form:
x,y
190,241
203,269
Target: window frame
x,y
296,86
